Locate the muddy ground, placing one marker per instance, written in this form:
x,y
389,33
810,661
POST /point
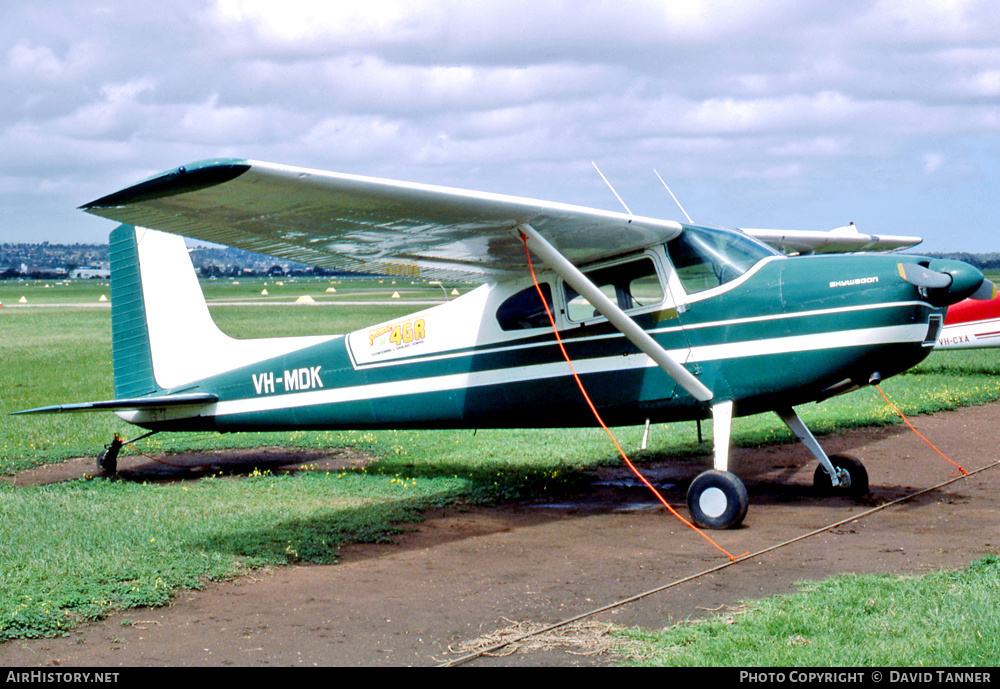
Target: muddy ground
x,y
464,573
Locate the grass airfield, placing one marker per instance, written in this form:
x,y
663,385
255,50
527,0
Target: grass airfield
x,y
72,552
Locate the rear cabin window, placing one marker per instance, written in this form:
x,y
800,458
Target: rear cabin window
x,y
631,285
525,310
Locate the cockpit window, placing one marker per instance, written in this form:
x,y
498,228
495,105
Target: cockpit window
x,y
631,285
525,310
705,258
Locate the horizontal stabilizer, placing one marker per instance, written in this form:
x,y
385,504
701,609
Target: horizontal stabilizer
x,y
161,402
841,240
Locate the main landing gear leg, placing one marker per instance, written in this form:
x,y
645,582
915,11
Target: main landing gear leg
x,y
717,499
837,474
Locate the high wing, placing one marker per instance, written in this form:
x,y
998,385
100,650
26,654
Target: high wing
x,y
840,240
365,224
371,225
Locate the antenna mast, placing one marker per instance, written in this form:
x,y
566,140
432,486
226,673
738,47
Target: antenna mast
x,y
673,197
611,188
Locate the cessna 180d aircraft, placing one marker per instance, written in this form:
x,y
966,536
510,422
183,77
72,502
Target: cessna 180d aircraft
x,y
663,321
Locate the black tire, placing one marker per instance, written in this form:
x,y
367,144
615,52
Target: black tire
x,y
717,500
856,474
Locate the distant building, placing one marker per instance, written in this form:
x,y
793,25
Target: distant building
x,y
88,273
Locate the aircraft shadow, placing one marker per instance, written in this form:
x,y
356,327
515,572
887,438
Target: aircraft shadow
x,y
775,476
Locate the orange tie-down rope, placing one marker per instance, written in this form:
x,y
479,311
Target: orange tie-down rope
x,y
607,430
961,471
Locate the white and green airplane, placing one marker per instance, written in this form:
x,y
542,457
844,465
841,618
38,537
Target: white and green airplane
x,y
663,321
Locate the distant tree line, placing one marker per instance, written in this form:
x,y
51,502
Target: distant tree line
x,y
45,260
212,270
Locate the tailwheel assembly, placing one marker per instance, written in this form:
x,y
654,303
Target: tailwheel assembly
x,y
107,461
851,473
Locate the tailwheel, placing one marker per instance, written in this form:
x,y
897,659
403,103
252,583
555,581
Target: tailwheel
x,y
852,475
107,461
717,500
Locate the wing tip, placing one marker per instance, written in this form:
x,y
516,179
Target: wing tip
x,y
183,179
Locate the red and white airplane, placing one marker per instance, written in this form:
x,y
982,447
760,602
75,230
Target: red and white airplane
x,y
971,324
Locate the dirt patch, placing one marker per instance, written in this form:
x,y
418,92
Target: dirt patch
x,y
468,574
185,466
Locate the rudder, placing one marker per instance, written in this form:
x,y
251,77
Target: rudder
x,y
131,354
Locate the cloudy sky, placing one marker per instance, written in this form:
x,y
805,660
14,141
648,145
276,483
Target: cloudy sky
x,y
757,113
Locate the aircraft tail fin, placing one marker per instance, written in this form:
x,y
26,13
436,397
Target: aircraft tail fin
x,y
163,336
133,361
164,342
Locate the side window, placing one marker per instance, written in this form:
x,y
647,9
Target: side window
x,y
525,310
631,285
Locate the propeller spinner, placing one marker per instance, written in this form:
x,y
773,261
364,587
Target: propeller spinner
x,y
948,281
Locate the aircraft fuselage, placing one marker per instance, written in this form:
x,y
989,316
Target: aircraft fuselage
x,y
787,331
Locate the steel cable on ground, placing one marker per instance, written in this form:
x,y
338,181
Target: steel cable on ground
x,y
717,568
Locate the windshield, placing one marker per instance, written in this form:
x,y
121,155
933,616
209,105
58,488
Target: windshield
x,y
705,258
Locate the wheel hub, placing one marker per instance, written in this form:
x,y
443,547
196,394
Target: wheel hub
x,y
713,502
844,477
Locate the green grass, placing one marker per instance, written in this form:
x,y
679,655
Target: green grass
x,y
61,354
76,551
45,292
38,292
73,552
943,619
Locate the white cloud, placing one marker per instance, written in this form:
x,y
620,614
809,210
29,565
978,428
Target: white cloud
x,y
742,101
298,22
34,61
30,61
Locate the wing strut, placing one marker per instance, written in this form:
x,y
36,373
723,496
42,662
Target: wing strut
x,y
618,318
